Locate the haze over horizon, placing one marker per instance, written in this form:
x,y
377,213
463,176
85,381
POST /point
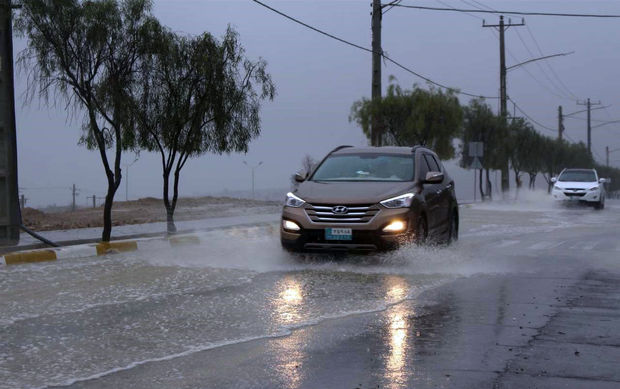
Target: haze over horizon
x,y
318,79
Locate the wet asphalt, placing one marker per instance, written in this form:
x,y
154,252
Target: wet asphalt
x,y
529,297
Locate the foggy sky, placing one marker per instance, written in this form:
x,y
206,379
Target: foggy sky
x,y
318,79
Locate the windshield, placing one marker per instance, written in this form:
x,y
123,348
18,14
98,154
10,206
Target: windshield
x,y
366,167
578,176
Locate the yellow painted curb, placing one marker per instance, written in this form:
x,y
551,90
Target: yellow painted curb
x,y
183,240
107,247
30,257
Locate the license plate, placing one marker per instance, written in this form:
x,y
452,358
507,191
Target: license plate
x,y
338,234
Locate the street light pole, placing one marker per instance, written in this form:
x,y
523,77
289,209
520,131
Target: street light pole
x,y
127,166
253,168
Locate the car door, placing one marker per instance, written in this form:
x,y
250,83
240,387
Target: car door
x,y
430,191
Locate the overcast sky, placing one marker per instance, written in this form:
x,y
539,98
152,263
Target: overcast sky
x,y
318,79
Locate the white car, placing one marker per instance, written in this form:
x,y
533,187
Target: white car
x,y
579,185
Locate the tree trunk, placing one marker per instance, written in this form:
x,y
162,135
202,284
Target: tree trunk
x,y
480,185
489,186
171,227
107,212
532,181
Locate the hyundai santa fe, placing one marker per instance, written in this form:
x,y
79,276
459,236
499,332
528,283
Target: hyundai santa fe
x,y
371,198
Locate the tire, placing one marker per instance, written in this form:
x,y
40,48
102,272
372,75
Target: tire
x,y
421,232
453,231
600,205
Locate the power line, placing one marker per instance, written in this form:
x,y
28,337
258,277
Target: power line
x,y
532,119
549,64
371,51
562,93
524,13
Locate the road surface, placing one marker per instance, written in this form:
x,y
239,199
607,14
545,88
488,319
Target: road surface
x,y
529,297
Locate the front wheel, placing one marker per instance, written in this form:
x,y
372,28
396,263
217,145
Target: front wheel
x,y
600,205
421,232
453,232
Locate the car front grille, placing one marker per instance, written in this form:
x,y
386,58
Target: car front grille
x,y
575,194
327,213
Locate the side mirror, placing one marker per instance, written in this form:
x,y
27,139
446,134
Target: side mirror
x,y
554,179
300,177
603,180
434,177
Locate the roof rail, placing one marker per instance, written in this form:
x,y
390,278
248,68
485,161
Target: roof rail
x,y
340,148
414,148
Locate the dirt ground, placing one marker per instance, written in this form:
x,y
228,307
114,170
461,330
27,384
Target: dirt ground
x,y
146,210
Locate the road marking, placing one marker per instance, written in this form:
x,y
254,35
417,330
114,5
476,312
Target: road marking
x,y
546,245
589,245
507,243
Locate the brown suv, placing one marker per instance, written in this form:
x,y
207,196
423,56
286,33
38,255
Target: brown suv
x,y
368,198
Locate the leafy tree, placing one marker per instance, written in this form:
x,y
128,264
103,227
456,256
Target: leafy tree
x,y
519,143
85,52
196,95
481,125
409,117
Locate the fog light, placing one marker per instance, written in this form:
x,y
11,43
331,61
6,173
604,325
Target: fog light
x,y
395,226
290,226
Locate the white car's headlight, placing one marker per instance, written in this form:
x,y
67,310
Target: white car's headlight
x,y
555,187
594,189
402,201
293,201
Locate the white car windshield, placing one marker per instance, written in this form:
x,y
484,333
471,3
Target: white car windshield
x,y
578,176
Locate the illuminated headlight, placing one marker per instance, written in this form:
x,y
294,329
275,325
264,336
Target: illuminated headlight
x,y
596,188
290,226
395,226
402,201
293,201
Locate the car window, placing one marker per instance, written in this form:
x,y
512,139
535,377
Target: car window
x,y
578,176
366,167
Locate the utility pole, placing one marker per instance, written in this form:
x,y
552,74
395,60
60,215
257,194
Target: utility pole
x,y
253,168
502,27
607,156
560,123
75,193
589,105
377,14
9,192
22,201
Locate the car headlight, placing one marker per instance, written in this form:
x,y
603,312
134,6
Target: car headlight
x,y
555,187
402,201
293,201
596,188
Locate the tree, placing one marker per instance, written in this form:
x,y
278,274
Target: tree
x,y
408,117
196,95
481,125
85,52
520,136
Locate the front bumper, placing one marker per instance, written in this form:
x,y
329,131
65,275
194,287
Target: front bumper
x,y
365,236
576,196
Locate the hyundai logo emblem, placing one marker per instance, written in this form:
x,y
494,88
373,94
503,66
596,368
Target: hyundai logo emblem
x,y
340,209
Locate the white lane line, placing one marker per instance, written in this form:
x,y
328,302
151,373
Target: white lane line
x,y
546,245
507,243
590,245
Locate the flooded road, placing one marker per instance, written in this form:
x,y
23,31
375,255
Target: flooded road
x,y
240,312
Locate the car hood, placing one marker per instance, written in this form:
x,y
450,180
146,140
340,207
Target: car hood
x,y
575,184
337,193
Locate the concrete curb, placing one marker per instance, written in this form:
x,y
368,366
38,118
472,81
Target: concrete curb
x,y
95,249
